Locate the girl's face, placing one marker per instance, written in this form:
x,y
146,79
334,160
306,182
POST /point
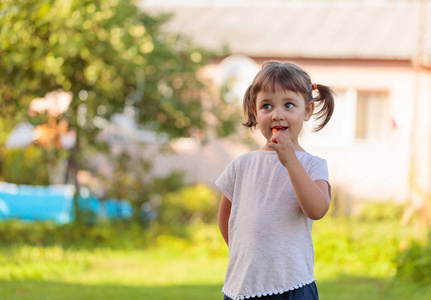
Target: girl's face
x,y
284,110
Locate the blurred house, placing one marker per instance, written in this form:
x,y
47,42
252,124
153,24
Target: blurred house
x,y
376,55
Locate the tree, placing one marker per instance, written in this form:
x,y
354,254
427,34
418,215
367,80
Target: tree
x,y
109,55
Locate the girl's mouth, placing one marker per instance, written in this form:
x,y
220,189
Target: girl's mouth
x,y
278,128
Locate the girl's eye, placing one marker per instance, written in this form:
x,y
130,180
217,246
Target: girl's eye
x,y
266,106
289,105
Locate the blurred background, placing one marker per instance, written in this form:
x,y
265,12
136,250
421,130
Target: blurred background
x,y
117,116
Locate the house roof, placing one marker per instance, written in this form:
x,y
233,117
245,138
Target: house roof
x,y
322,30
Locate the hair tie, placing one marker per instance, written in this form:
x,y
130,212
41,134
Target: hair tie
x,y
314,86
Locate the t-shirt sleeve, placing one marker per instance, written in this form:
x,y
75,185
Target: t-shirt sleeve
x,y
226,181
318,170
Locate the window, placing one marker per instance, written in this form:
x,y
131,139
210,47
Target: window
x,y
373,119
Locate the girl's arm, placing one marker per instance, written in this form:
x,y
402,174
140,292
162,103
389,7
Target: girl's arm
x,y
223,217
313,196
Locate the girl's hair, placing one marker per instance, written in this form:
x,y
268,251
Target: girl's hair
x,y
283,76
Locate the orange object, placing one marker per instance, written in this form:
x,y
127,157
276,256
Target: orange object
x,y
314,86
274,131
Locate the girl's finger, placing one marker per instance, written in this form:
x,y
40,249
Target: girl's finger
x,y
272,146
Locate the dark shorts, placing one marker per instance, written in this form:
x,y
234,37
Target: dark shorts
x,y
308,292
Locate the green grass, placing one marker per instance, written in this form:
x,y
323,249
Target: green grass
x,y
159,273
354,260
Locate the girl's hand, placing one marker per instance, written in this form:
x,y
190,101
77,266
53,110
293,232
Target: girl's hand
x,y
282,144
313,196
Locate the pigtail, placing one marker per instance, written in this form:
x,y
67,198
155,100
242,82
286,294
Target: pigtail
x,y
325,100
250,118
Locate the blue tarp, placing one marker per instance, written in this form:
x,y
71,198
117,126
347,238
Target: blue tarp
x,y
54,203
110,208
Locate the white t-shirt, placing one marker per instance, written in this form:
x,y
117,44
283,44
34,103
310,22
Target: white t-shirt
x,y
270,245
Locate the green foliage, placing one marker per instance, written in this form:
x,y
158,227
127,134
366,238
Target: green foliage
x,y
356,248
190,205
414,263
25,166
110,55
380,211
26,261
132,183
171,183
110,234
127,181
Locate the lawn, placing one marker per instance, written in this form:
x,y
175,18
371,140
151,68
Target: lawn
x,y
354,260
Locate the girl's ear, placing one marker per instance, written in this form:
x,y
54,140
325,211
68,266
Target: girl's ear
x,y
309,109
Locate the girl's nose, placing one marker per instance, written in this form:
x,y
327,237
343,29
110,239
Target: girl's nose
x,y
277,115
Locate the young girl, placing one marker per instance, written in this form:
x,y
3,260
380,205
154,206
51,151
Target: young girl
x,y
271,196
